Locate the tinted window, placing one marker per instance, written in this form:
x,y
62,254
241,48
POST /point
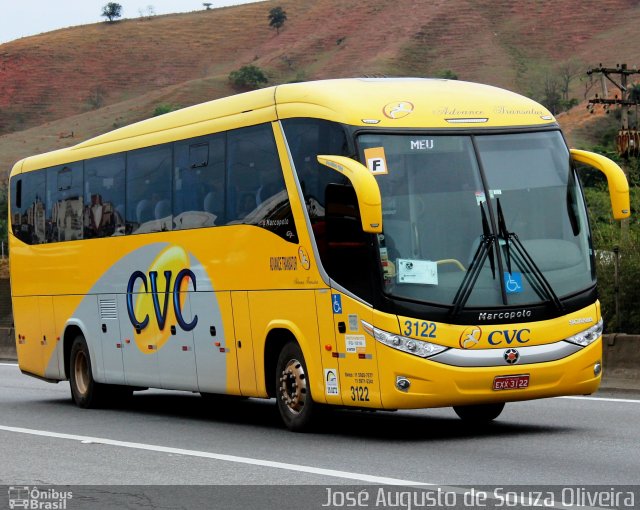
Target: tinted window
x,y
148,207
198,184
104,196
64,203
28,208
256,193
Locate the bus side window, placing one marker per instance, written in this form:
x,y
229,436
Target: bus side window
x,y
104,196
64,203
148,189
198,182
256,192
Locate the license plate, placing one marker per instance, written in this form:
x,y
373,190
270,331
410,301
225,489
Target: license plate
x,y
511,382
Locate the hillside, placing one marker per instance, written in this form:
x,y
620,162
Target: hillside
x,y
86,80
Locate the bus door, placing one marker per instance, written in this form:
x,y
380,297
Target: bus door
x,y
214,343
358,366
110,339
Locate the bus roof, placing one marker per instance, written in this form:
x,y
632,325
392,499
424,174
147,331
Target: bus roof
x,y
408,103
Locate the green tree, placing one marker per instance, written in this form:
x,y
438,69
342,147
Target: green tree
x,y
277,17
634,92
248,77
163,108
447,74
111,11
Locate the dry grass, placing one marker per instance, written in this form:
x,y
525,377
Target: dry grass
x,y
91,79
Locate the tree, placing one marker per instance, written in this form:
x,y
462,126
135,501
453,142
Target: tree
x,y
248,77
111,11
277,17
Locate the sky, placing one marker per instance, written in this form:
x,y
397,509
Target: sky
x,y
21,18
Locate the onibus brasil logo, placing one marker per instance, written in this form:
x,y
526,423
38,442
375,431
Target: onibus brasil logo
x,y
38,499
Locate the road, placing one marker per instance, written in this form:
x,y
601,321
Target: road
x,y
174,438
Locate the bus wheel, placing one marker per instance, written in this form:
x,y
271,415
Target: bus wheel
x,y
85,391
293,394
479,413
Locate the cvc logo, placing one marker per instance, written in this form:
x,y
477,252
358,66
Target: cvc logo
x,y
150,285
509,336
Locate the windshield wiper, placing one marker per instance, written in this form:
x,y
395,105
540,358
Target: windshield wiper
x,y
532,273
485,249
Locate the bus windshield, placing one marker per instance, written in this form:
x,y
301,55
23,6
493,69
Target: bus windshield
x,y
506,208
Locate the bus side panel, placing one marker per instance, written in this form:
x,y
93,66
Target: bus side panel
x,y
328,347
295,311
110,339
215,349
244,341
359,380
28,335
50,338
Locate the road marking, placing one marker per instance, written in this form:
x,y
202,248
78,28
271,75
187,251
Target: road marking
x,y
376,480
603,399
9,364
381,480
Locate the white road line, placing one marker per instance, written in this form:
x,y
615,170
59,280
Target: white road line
x,y
9,364
603,399
380,480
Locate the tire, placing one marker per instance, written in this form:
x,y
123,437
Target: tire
x,y
85,391
293,395
482,413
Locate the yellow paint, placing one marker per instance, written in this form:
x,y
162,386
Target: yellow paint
x,y
172,259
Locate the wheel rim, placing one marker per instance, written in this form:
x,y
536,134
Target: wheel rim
x,y
81,372
293,386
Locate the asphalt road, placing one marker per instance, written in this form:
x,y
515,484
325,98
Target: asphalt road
x,y
176,438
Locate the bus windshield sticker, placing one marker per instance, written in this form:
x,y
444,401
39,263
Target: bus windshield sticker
x,y
424,272
376,160
480,197
355,343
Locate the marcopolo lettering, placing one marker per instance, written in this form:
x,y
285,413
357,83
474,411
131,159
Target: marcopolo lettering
x,y
520,314
509,336
161,313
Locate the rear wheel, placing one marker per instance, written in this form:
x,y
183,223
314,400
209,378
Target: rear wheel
x,y
481,413
85,391
293,393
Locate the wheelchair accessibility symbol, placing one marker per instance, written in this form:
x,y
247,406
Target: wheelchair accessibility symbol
x,y
336,303
513,282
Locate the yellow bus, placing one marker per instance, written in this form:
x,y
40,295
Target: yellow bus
x,y
369,243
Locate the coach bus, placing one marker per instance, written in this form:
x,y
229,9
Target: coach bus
x,y
367,243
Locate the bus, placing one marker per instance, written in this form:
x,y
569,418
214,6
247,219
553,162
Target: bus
x,y
379,244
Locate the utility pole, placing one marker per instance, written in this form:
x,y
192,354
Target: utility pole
x,y
622,101
628,140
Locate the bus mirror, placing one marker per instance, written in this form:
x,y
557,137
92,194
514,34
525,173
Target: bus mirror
x,y
616,180
366,188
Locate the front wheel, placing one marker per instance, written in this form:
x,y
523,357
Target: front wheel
x,y
481,413
293,394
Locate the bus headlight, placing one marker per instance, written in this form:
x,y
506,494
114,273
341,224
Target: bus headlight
x,y
588,336
404,344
